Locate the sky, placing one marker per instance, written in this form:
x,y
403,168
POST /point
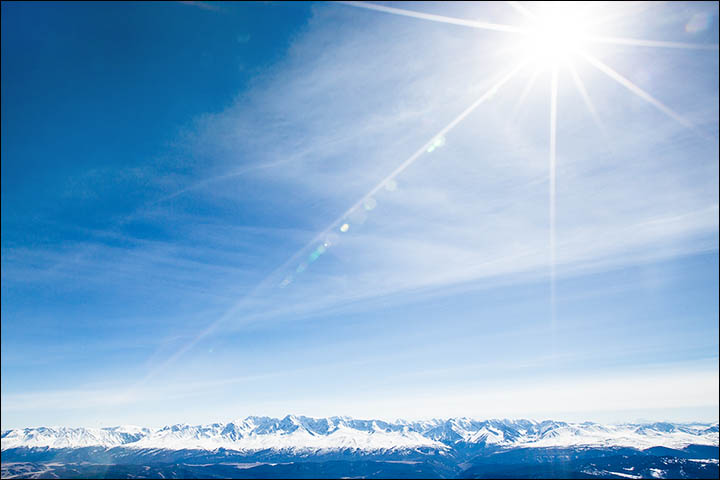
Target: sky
x,y
213,210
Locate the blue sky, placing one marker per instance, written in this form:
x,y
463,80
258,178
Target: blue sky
x,y
176,177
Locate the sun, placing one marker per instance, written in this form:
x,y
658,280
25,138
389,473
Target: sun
x,y
554,33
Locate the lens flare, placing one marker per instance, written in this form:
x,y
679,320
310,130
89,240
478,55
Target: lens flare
x,y
391,185
698,23
437,143
345,227
369,203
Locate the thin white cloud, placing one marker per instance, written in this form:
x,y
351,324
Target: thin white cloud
x,y
202,5
651,391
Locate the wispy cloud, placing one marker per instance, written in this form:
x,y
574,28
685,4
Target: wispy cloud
x,y
213,6
659,388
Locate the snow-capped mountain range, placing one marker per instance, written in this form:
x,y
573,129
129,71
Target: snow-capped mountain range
x,y
318,435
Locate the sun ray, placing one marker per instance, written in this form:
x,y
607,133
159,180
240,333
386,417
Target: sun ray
x,y
586,98
435,18
637,90
523,95
608,145
522,10
201,335
638,42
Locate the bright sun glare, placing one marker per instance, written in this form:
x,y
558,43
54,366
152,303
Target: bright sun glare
x,y
554,34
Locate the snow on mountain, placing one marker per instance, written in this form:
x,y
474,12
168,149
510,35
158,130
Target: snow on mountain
x,y
290,433
62,437
303,434
628,435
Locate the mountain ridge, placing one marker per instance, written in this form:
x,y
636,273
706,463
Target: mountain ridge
x,y
301,433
